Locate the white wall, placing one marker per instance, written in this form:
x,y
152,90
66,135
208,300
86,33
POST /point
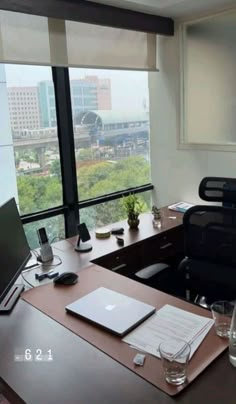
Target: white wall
x,y
176,174
8,185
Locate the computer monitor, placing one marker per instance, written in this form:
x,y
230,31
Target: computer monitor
x,y
14,254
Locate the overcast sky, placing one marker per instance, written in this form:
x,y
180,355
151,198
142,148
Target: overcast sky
x,y
129,89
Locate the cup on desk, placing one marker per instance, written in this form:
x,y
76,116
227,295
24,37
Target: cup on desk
x,y
222,312
175,355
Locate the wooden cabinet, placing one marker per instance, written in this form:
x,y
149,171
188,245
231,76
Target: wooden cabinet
x,y
125,261
159,248
165,246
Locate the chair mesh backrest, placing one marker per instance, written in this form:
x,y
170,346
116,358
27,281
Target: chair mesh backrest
x,y
210,234
218,189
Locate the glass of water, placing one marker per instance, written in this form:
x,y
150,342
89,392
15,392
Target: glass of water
x,y
175,355
222,312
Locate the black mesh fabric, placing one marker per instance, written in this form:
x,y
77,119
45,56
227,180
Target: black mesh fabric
x,y
210,234
218,189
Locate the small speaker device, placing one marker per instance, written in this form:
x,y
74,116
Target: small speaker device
x,y
46,253
83,236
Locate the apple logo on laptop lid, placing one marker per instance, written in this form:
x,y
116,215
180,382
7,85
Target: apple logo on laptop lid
x,y
110,307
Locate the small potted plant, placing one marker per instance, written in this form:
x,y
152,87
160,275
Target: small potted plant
x,y
133,207
156,220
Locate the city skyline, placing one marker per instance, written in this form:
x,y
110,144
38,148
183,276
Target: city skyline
x,y
33,107
134,82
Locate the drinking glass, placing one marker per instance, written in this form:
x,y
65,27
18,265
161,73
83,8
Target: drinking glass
x,y
222,312
175,355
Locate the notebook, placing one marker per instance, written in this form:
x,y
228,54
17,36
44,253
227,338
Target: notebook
x,y
180,206
111,310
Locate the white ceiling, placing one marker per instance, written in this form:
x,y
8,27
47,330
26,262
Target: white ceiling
x,y
177,9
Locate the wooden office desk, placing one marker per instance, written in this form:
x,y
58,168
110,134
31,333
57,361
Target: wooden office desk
x,y
77,365
145,246
142,247
80,373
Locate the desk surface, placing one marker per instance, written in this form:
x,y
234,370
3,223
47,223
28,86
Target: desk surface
x,y
82,374
102,247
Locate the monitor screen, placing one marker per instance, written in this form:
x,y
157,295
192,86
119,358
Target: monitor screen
x,y
14,249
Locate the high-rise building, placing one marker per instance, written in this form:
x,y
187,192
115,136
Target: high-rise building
x,y
103,91
83,96
90,93
23,108
47,105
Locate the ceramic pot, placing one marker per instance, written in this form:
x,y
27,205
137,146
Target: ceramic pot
x,y
133,223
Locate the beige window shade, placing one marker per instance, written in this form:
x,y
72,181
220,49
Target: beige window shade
x,y
40,40
23,38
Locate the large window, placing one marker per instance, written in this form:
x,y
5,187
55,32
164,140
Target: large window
x,y
108,124
55,230
31,125
73,141
111,130
110,212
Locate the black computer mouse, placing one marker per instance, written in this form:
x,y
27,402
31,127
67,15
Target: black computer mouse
x,y
66,278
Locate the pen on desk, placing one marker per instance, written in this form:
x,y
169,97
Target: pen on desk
x,y
30,267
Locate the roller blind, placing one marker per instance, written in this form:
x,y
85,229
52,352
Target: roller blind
x,y
40,40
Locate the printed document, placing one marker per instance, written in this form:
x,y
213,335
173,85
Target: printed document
x,y
166,323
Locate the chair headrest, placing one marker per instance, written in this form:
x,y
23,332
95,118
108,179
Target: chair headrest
x,y
218,189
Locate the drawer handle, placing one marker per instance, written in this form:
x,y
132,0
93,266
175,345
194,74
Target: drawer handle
x,y
166,246
118,267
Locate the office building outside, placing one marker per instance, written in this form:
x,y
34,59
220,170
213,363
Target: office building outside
x,y
103,92
7,163
90,93
84,96
23,106
47,105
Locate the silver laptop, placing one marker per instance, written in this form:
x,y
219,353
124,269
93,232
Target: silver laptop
x,y
111,310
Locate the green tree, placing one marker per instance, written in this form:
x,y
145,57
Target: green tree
x,y
84,154
37,193
103,178
55,169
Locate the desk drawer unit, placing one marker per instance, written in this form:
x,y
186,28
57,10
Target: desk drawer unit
x,y
129,260
125,262
162,247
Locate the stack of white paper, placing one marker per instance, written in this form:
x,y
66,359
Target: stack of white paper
x,y
169,322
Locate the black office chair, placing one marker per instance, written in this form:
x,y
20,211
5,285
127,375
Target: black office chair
x,y
218,189
163,276
210,243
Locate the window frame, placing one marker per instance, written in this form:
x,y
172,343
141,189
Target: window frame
x,y
71,204
182,138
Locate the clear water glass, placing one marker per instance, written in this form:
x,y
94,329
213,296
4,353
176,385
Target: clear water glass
x,y
175,355
222,312
232,348
232,339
